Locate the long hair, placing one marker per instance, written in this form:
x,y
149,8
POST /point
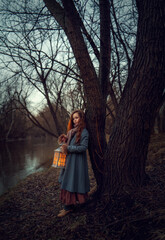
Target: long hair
x,y
81,124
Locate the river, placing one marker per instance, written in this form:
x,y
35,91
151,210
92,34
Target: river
x,y
18,159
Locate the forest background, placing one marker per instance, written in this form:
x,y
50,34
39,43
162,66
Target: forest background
x,y
104,57
36,67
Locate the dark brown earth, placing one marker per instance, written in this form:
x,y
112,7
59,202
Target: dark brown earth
x,y
29,211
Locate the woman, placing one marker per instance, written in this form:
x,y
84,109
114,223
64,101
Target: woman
x,y
75,180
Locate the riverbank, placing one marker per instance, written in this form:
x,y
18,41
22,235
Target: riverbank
x,y
29,211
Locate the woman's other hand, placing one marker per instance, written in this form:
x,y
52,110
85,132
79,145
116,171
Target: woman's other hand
x,y
64,148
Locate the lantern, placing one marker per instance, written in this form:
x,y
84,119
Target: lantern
x,y
59,158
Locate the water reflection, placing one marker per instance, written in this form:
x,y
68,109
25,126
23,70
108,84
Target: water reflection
x,y
20,159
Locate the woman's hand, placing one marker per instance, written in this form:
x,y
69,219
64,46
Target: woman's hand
x,y
62,139
64,148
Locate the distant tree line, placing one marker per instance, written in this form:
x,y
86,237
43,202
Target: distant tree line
x,y
15,123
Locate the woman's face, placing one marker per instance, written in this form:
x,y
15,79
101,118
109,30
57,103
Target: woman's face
x,y
76,119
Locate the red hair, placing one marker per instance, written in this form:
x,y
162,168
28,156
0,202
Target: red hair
x,y
81,124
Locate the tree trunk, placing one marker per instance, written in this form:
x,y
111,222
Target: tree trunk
x,y
67,16
128,144
127,148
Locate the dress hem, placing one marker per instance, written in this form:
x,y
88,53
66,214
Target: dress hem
x,y
69,198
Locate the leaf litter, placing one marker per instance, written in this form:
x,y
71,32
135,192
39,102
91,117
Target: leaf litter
x,y
29,210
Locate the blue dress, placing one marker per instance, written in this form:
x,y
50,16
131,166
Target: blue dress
x,y
75,178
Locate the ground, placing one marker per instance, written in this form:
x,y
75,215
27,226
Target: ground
x,y
29,211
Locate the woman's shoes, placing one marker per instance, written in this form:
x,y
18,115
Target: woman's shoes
x,y
64,212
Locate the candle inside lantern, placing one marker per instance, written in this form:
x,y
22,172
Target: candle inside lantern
x,y
59,158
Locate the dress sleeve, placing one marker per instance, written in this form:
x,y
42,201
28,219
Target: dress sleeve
x,y
82,147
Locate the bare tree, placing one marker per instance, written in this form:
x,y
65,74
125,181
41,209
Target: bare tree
x,y
122,162
33,57
13,123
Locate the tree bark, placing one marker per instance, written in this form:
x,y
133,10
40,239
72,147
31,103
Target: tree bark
x,y
128,144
